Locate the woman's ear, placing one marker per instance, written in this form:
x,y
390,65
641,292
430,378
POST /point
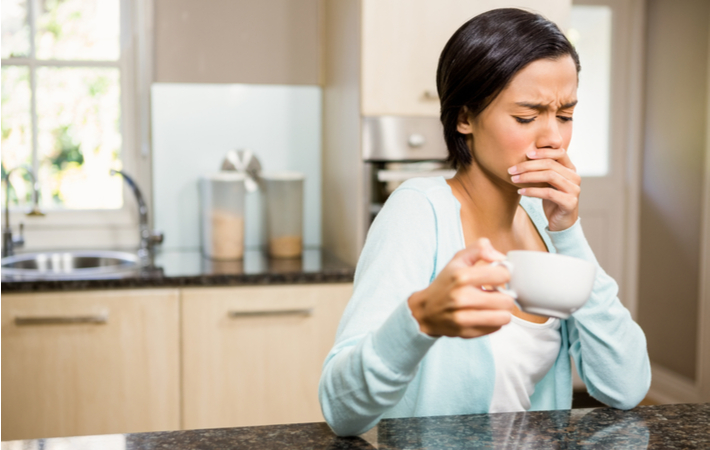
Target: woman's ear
x,y
463,125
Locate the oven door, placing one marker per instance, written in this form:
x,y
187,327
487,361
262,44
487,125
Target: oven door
x,y
394,138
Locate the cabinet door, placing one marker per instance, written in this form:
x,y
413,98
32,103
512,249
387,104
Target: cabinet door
x,y
402,41
79,363
253,355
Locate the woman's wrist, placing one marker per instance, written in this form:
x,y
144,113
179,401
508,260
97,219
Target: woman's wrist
x,y
416,306
564,232
562,225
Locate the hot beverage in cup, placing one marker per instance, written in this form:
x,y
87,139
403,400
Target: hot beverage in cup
x,y
548,284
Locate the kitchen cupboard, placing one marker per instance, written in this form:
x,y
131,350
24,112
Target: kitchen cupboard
x,y
401,42
78,363
253,355
125,361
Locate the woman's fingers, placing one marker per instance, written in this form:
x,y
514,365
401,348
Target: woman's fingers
x,y
519,171
551,177
468,318
473,313
557,154
477,276
472,298
567,202
475,323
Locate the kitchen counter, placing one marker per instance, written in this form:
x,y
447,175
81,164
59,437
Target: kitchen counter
x,y
653,427
182,268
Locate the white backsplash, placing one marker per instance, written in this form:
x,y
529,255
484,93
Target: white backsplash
x,y
194,125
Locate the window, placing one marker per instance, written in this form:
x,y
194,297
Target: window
x,y
61,100
88,63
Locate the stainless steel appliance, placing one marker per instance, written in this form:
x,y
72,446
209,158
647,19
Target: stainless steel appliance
x,y
395,149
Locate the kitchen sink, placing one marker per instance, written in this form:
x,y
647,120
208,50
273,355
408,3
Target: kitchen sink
x,y
64,265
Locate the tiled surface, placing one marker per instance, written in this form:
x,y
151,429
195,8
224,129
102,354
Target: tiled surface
x,y
645,427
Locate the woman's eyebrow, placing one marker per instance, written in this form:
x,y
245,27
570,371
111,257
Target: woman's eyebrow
x,y
541,107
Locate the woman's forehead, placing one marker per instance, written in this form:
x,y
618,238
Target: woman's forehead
x,y
551,82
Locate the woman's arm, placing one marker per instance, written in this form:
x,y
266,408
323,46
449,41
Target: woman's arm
x,y
380,341
379,346
608,347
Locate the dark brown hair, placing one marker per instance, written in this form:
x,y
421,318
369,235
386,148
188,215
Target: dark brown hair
x,y
481,58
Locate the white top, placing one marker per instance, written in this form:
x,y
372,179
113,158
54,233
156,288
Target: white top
x,y
523,353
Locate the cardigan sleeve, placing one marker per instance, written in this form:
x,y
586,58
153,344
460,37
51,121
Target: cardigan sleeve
x,y
607,346
379,346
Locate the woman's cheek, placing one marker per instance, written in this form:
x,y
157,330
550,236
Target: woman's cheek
x,y
517,145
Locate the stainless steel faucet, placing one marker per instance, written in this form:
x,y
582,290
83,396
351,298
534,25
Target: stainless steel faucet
x,y
149,238
8,241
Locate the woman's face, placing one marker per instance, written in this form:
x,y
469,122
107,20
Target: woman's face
x,y
534,111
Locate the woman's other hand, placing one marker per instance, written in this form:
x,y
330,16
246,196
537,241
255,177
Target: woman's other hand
x,y
455,304
557,184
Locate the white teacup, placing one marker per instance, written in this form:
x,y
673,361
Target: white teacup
x,y
548,284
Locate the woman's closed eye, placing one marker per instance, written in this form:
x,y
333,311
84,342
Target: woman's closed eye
x,y
524,120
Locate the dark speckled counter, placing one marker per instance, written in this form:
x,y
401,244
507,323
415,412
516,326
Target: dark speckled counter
x,y
653,427
189,268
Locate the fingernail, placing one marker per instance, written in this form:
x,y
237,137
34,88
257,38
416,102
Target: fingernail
x,y
512,170
521,191
532,153
516,178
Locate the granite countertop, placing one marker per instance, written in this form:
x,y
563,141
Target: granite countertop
x,y
645,427
183,268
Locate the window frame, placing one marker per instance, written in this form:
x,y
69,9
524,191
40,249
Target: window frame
x,y
115,228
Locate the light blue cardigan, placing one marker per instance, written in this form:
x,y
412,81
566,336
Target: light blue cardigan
x,y
383,366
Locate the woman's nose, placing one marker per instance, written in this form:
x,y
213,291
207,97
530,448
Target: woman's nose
x,y
549,135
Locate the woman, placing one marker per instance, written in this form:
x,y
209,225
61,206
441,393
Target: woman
x,y
422,336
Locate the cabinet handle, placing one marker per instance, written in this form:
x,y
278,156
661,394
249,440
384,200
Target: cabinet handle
x,y
60,320
274,312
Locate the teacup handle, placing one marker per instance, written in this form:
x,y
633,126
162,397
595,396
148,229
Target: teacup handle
x,y
507,291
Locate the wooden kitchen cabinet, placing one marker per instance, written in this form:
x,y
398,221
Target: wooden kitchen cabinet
x,y
253,355
401,43
80,363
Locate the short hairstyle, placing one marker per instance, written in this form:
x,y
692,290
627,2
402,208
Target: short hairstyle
x,y
480,60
